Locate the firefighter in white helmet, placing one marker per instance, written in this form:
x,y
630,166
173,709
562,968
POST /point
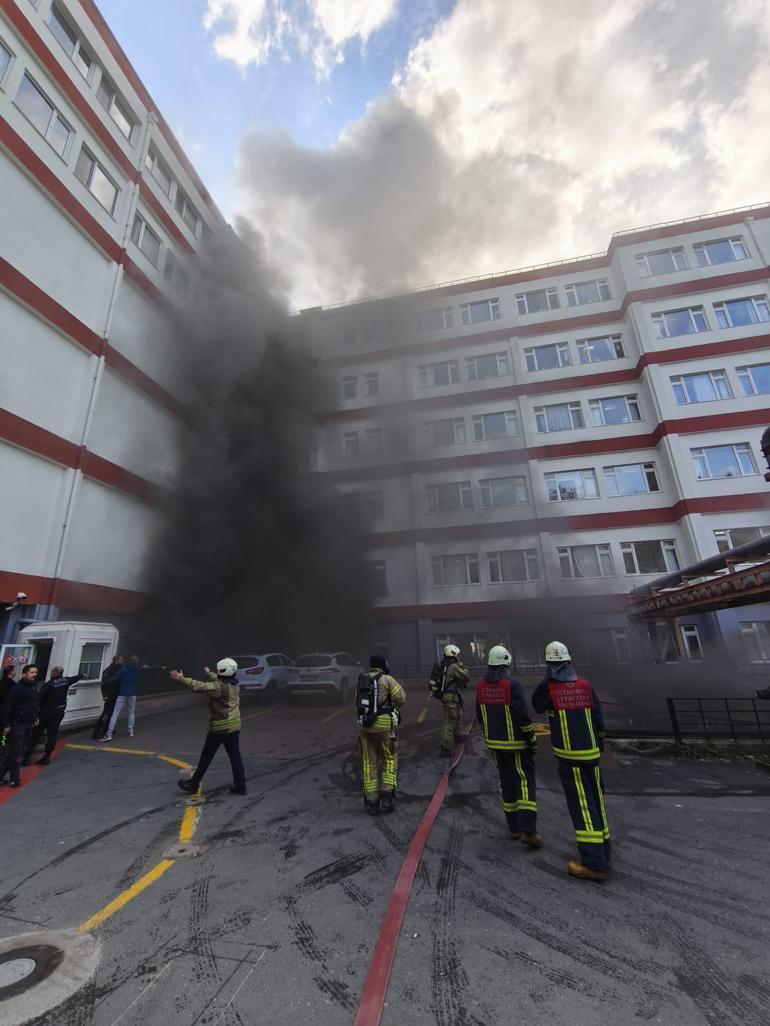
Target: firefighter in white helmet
x,y
224,723
501,710
445,680
577,736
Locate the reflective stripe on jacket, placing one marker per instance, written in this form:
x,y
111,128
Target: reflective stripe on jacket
x,y
502,711
574,717
224,702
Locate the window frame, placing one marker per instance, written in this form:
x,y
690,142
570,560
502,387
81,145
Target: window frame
x,y
351,445
347,382
678,381
739,449
368,379
563,356
596,407
643,261
458,429
604,557
722,312
733,241
531,561
659,320
502,363
54,116
726,532
493,307
602,286
11,58
447,319
117,103
511,425
615,342
667,548
464,495
96,163
486,491
426,374
582,471
744,375
541,417
144,229
472,567
647,470
184,206
56,12
552,299
152,162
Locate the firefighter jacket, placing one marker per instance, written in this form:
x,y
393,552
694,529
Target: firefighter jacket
x,y
574,714
502,711
224,702
455,676
390,696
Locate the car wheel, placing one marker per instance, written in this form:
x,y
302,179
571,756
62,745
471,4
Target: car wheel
x,y
271,692
342,695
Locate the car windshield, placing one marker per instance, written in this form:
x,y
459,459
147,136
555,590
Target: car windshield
x,y
314,660
246,661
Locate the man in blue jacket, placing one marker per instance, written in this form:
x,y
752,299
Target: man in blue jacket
x,y
18,715
127,679
52,698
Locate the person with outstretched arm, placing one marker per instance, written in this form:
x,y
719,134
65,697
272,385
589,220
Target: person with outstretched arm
x,y
224,723
110,686
52,698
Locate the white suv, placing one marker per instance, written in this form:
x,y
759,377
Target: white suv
x,y
333,673
264,675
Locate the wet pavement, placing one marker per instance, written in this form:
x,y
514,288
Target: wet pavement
x,y
271,913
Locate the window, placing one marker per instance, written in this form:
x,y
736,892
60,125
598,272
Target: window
x,y
145,238
349,388
619,409
581,561
371,384
700,388
717,461
649,557
736,313
499,492
587,292
485,310
435,320
537,301
547,357
571,484
373,441
373,504
491,365
107,95
91,659
691,642
661,261
91,173
607,645
68,39
5,60
447,372
732,537
513,565
447,498
175,274
186,210
631,479
43,115
756,638
680,322
488,426
445,432
755,380
720,251
159,170
558,417
451,571
351,444
380,585
597,350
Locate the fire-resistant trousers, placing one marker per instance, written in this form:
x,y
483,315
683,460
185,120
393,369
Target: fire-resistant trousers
x,y
582,783
379,752
452,724
516,770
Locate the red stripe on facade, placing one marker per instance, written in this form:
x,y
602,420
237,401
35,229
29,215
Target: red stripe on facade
x,y
21,288
163,216
56,189
504,609
129,372
101,26
70,594
557,325
44,54
137,275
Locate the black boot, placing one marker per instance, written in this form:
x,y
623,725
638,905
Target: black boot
x,y
45,761
188,785
238,790
373,808
387,802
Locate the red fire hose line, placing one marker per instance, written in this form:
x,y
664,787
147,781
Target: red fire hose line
x,y
376,984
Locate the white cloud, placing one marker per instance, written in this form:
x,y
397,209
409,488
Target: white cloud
x,y
249,31
517,133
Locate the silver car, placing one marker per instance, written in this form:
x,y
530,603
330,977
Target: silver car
x,y
333,673
264,675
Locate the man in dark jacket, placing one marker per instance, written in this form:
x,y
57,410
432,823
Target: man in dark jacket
x,y
577,736
110,685
18,715
52,699
501,710
127,679
6,684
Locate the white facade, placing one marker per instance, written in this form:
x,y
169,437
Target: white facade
x,y
101,214
596,418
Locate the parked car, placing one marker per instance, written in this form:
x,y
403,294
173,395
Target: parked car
x,y
333,673
264,675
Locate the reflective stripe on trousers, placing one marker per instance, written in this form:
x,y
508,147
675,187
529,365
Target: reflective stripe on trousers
x,y
516,770
378,749
585,800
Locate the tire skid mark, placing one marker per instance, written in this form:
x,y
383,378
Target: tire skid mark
x,y
338,870
557,974
357,894
305,940
205,967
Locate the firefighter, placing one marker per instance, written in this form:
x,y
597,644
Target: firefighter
x,y
577,735
378,743
454,675
501,710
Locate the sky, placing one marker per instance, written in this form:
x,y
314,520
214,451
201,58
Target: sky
x,y
378,145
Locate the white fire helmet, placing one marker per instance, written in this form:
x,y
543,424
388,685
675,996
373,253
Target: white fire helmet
x,y
557,653
451,651
227,667
499,656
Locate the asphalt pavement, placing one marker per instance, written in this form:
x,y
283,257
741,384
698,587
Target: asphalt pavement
x,y
267,911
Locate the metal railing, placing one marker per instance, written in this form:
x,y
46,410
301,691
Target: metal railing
x,y
719,719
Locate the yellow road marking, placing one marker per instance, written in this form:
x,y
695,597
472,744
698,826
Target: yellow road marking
x,y
188,824
337,712
130,751
422,714
128,895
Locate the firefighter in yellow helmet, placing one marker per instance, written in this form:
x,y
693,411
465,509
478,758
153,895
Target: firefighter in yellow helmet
x,y
447,677
501,710
378,699
577,736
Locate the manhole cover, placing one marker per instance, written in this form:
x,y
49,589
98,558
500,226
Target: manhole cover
x,y
18,969
26,966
